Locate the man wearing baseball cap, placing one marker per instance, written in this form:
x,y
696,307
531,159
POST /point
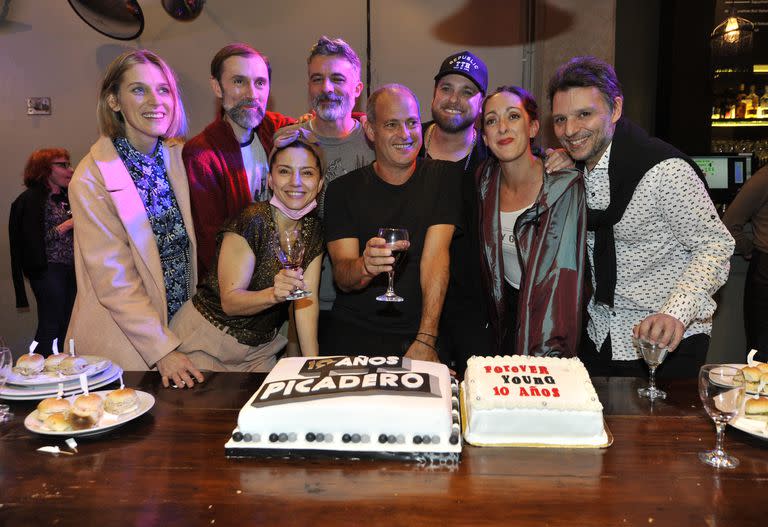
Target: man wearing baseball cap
x,y
460,85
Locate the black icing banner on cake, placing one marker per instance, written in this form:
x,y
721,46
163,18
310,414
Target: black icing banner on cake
x,y
338,376
351,365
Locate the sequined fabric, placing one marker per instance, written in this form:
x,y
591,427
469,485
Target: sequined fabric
x,y
59,248
257,226
151,179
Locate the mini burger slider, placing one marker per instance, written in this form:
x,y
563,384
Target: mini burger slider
x,y
72,365
751,377
52,362
57,423
48,407
88,407
121,401
756,409
30,364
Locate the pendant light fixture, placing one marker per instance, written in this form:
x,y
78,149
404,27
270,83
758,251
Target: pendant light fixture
x,y
733,36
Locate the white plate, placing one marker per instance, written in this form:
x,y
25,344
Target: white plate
x,y
54,388
728,401
724,381
96,365
728,383
751,426
106,423
33,394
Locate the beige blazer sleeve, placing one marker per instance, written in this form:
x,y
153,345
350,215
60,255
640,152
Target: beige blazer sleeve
x,y
121,308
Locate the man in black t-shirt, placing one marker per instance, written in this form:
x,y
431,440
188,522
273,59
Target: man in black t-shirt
x,y
460,86
397,190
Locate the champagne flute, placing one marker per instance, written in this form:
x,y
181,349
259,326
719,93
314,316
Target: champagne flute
x,y
653,354
722,401
289,249
6,364
393,238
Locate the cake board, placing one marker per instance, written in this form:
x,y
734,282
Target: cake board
x,y
422,458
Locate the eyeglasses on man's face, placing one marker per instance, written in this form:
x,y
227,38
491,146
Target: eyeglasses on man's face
x,y
62,164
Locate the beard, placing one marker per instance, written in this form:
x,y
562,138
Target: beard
x,y
599,140
246,113
338,108
452,123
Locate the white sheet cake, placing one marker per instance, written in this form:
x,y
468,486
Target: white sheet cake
x,y
531,400
350,405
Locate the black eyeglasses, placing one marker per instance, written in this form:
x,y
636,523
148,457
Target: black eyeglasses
x,y
62,164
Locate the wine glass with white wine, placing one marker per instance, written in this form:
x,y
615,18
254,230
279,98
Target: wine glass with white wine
x,y
653,354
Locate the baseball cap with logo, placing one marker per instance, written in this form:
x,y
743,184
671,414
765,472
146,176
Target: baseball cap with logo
x,y
467,64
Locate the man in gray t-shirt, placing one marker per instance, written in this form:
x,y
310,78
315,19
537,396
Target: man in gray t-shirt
x,y
334,85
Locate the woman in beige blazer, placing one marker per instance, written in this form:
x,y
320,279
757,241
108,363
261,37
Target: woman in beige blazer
x,y
134,240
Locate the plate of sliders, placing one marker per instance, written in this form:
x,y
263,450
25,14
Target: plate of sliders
x,y
43,391
754,419
86,415
33,369
753,377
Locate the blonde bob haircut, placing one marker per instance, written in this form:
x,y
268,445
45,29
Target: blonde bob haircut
x,y
111,123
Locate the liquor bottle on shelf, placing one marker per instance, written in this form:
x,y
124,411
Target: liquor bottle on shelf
x,y
763,104
741,103
753,101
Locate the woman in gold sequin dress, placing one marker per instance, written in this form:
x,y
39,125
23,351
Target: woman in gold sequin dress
x,y
232,323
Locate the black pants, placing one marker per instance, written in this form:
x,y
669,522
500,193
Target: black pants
x,y
54,292
338,337
756,304
464,332
684,362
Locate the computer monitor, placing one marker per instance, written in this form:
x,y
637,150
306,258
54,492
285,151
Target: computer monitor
x,y
725,174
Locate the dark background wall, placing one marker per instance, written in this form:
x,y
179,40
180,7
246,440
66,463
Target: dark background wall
x,y
637,51
684,86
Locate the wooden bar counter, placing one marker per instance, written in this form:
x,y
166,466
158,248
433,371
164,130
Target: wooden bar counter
x,y
168,468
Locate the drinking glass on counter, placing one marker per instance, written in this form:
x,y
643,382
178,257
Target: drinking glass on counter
x,y
653,354
6,366
722,400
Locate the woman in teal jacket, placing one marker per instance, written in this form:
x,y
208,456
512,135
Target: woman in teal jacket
x,y
532,228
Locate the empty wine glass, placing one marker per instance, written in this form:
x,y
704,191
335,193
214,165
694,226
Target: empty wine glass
x,y
722,401
393,240
6,364
653,354
289,249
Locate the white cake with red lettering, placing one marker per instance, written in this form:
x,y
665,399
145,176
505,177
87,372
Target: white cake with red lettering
x,y
352,406
521,400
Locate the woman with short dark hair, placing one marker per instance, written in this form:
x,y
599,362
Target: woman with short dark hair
x,y
40,234
232,322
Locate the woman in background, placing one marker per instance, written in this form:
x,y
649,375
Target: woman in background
x,y
134,242
532,234
40,235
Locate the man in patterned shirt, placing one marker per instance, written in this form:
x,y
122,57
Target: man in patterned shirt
x,y
656,246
